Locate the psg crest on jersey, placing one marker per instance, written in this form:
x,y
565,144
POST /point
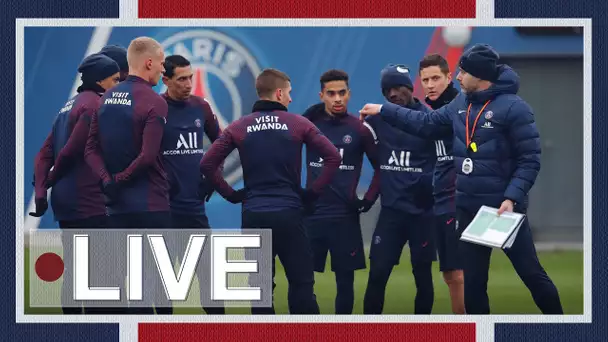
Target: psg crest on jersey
x,y
224,74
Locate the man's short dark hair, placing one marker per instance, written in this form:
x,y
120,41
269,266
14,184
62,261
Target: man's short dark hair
x,y
270,80
174,61
434,60
333,75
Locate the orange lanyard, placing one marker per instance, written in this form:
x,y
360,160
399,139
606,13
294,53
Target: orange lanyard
x,y
470,138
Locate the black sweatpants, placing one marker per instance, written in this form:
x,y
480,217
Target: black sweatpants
x,y
476,262
177,247
290,243
145,220
94,222
394,229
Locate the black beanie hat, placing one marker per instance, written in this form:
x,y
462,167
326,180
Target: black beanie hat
x,y
118,54
480,61
97,67
394,76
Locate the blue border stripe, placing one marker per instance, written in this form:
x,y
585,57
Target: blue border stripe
x,y
596,331
34,9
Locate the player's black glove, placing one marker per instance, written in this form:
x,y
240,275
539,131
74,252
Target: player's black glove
x,y
309,197
362,205
237,196
205,189
111,190
41,206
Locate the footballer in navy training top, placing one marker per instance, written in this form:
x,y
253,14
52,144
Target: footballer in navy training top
x,y
190,117
124,142
436,81
269,142
406,198
123,148
334,224
76,195
353,139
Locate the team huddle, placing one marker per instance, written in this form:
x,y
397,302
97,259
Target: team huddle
x,y
120,155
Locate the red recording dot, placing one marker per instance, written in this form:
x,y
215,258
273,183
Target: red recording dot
x,y
49,267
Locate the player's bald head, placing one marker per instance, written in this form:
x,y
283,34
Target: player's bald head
x,y
141,49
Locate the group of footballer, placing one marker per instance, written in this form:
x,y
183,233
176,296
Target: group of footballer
x,y
120,155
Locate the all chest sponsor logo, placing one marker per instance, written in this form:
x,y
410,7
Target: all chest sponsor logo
x,y
187,143
400,161
487,124
224,74
342,167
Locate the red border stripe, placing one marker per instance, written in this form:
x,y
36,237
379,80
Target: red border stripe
x,y
289,332
306,9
